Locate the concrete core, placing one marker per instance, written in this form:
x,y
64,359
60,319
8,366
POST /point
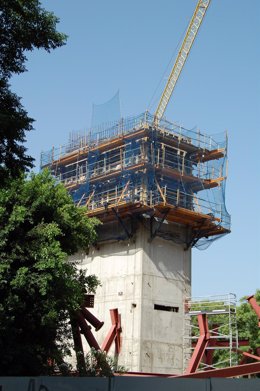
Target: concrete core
x,y
148,282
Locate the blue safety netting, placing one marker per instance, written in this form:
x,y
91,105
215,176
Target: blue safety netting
x,y
169,164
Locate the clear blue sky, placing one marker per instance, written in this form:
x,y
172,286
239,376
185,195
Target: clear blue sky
x,y
127,45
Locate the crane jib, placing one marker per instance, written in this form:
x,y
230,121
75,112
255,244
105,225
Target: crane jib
x,y
184,51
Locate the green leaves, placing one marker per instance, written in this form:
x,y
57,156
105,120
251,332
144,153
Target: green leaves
x,y
39,224
14,123
26,241
40,228
99,364
24,26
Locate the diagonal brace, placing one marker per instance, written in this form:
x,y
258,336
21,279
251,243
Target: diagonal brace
x,y
201,345
154,233
129,235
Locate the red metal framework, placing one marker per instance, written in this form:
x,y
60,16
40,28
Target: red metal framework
x,y
80,325
252,301
237,370
114,333
200,354
214,329
201,344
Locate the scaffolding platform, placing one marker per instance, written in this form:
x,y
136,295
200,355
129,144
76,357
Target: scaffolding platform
x,y
135,167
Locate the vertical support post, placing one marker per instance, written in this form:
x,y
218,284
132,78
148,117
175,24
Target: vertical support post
x,y
183,164
121,158
52,154
201,344
198,137
178,197
163,155
255,306
114,332
165,193
151,198
145,117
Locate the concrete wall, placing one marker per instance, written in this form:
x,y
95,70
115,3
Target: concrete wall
x,y
136,275
166,281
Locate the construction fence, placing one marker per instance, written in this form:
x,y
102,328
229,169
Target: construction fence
x,y
125,384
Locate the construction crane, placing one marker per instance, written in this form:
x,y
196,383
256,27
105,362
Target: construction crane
x,y
184,51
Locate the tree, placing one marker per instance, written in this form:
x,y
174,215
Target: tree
x,y
39,228
24,26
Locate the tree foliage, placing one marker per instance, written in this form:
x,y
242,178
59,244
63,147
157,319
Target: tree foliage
x,y
39,224
99,364
14,123
24,26
39,228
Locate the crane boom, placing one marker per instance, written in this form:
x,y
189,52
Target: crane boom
x,y
184,51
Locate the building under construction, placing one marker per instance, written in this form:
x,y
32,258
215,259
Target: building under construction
x,y
135,170
159,190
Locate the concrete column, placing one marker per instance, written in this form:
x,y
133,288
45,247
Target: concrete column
x,y
147,281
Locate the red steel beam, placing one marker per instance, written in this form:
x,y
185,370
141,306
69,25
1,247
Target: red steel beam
x,y
144,374
209,353
238,370
118,339
86,330
106,344
92,319
247,354
256,307
114,332
201,344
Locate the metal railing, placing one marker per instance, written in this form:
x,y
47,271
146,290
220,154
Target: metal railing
x,y
109,131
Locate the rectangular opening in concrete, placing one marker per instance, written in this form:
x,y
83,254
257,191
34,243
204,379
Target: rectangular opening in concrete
x,y
168,308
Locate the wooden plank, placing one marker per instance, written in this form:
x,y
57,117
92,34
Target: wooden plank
x,y
123,192
204,226
110,175
160,191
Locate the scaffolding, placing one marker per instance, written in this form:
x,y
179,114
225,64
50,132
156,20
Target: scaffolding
x,y
137,167
219,312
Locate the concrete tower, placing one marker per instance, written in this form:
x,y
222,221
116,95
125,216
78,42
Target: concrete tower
x,y
158,190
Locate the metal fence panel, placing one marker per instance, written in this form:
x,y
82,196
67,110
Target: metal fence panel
x,y
125,383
